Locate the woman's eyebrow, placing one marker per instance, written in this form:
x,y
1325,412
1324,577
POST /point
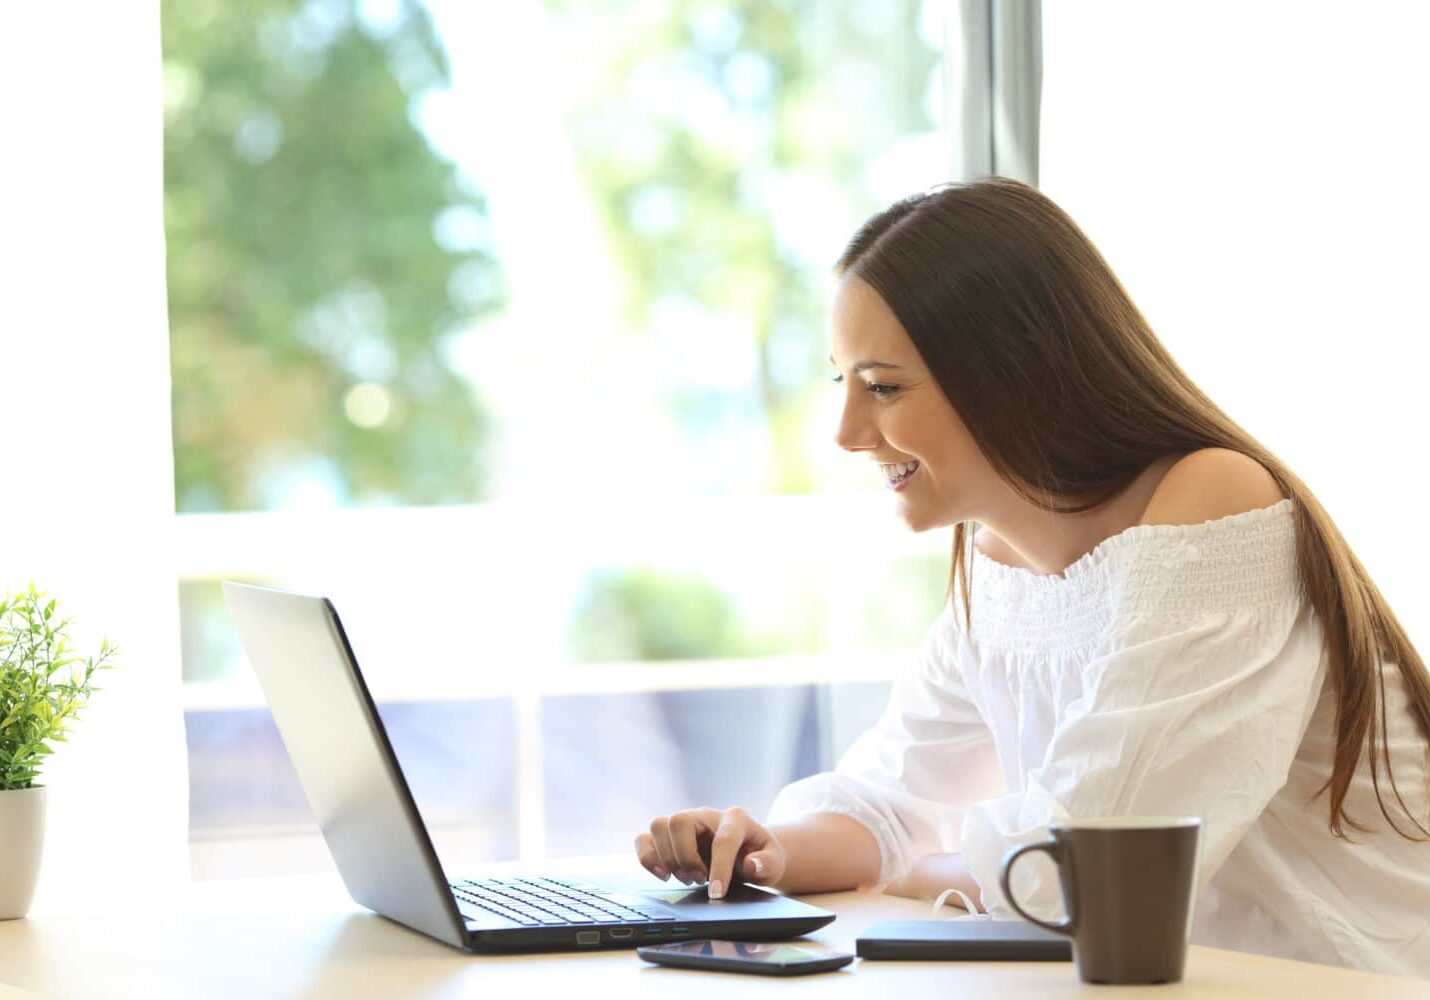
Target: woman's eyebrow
x,y
863,366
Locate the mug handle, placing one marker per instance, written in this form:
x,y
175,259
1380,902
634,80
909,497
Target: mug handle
x,y
1053,850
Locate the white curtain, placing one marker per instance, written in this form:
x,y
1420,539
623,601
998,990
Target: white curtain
x,y
86,495
1256,175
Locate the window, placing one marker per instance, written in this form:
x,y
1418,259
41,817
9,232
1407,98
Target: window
x,y
506,333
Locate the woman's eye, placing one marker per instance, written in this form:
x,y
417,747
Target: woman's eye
x,y
837,379
882,389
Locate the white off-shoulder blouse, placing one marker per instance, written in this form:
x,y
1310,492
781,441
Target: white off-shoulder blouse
x,y
1173,670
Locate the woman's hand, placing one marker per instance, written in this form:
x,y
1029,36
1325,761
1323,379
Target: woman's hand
x,y
714,845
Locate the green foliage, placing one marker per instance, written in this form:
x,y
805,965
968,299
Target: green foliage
x,y
317,245
42,686
647,614
701,114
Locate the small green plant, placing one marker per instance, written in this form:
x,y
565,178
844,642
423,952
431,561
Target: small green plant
x,y
42,686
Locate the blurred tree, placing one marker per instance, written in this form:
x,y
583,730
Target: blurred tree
x,y
648,614
704,122
319,253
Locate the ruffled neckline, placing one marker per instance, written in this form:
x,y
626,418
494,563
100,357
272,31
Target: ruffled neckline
x,y
1129,537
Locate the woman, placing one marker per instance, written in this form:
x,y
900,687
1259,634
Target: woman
x,y
1154,616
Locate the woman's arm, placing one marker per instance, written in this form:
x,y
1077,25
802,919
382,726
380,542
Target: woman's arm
x,y
827,852
899,792
931,875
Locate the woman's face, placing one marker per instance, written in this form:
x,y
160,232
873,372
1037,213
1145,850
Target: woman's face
x,y
895,413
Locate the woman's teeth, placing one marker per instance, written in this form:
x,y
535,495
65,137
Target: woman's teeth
x,y
896,474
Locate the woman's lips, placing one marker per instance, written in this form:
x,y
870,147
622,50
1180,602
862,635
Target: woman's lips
x,y
896,476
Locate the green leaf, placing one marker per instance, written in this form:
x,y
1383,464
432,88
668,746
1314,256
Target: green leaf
x,y
42,684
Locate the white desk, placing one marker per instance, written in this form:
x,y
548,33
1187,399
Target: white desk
x,y
302,937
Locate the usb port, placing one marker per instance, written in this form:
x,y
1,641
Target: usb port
x,y
620,932
679,930
655,932
588,937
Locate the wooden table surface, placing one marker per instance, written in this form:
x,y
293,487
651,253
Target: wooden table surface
x,y
302,937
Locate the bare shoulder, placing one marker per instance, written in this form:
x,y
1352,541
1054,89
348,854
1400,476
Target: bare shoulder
x,y
1208,484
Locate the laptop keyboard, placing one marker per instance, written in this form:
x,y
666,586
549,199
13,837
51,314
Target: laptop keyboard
x,y
550,901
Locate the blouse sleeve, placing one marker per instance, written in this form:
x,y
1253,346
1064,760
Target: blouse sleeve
x,y
1195,706
911,778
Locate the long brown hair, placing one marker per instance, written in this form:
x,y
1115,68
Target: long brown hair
x,y
1070,395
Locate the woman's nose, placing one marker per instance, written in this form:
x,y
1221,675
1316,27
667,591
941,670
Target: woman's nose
x,y
855,432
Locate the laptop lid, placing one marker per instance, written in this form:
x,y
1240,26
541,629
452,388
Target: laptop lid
x,y
344,761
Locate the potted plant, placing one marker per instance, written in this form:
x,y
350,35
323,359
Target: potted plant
x,y
42,688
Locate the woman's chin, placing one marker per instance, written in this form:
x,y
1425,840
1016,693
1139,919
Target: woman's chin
x,y
917,521
920,518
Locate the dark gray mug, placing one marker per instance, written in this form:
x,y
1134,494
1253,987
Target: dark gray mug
x,y
1128,887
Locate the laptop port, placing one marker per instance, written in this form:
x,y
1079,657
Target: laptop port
x,y
588,937
655,932
617,933
679,930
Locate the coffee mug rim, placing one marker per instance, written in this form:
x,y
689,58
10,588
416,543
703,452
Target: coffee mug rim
x,y
1126,823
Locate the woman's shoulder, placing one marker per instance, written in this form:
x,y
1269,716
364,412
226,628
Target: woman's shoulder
x,y
1215,539
1208,485
1201,486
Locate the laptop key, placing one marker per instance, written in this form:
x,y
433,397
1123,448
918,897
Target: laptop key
x,y
572,917
520,915
478,912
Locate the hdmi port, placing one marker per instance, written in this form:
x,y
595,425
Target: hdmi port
x,y
620,932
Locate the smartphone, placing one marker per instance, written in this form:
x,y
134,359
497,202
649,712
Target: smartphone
x,y
763,958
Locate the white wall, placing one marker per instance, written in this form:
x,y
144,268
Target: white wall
x,y
86,496
1256,175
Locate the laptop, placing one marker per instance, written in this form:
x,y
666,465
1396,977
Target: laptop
x,y
340,750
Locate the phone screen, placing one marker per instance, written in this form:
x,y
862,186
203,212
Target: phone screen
x,y
765,952
767,958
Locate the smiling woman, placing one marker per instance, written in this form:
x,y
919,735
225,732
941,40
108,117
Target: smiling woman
x,y
1157,616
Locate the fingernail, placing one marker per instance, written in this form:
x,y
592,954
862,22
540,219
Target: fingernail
x,y
717,890
683,877
757,865
660,873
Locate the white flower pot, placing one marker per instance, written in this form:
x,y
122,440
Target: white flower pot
x,y
22,835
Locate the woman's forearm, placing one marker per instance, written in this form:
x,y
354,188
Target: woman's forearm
x,y
931,875
827,852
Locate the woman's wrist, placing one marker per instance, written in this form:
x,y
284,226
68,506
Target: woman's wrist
x,y
827,852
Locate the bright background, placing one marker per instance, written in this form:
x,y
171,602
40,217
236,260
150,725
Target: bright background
x,y
508,335
1252,171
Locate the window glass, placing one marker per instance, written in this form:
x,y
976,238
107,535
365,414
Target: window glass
x,y
507,333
